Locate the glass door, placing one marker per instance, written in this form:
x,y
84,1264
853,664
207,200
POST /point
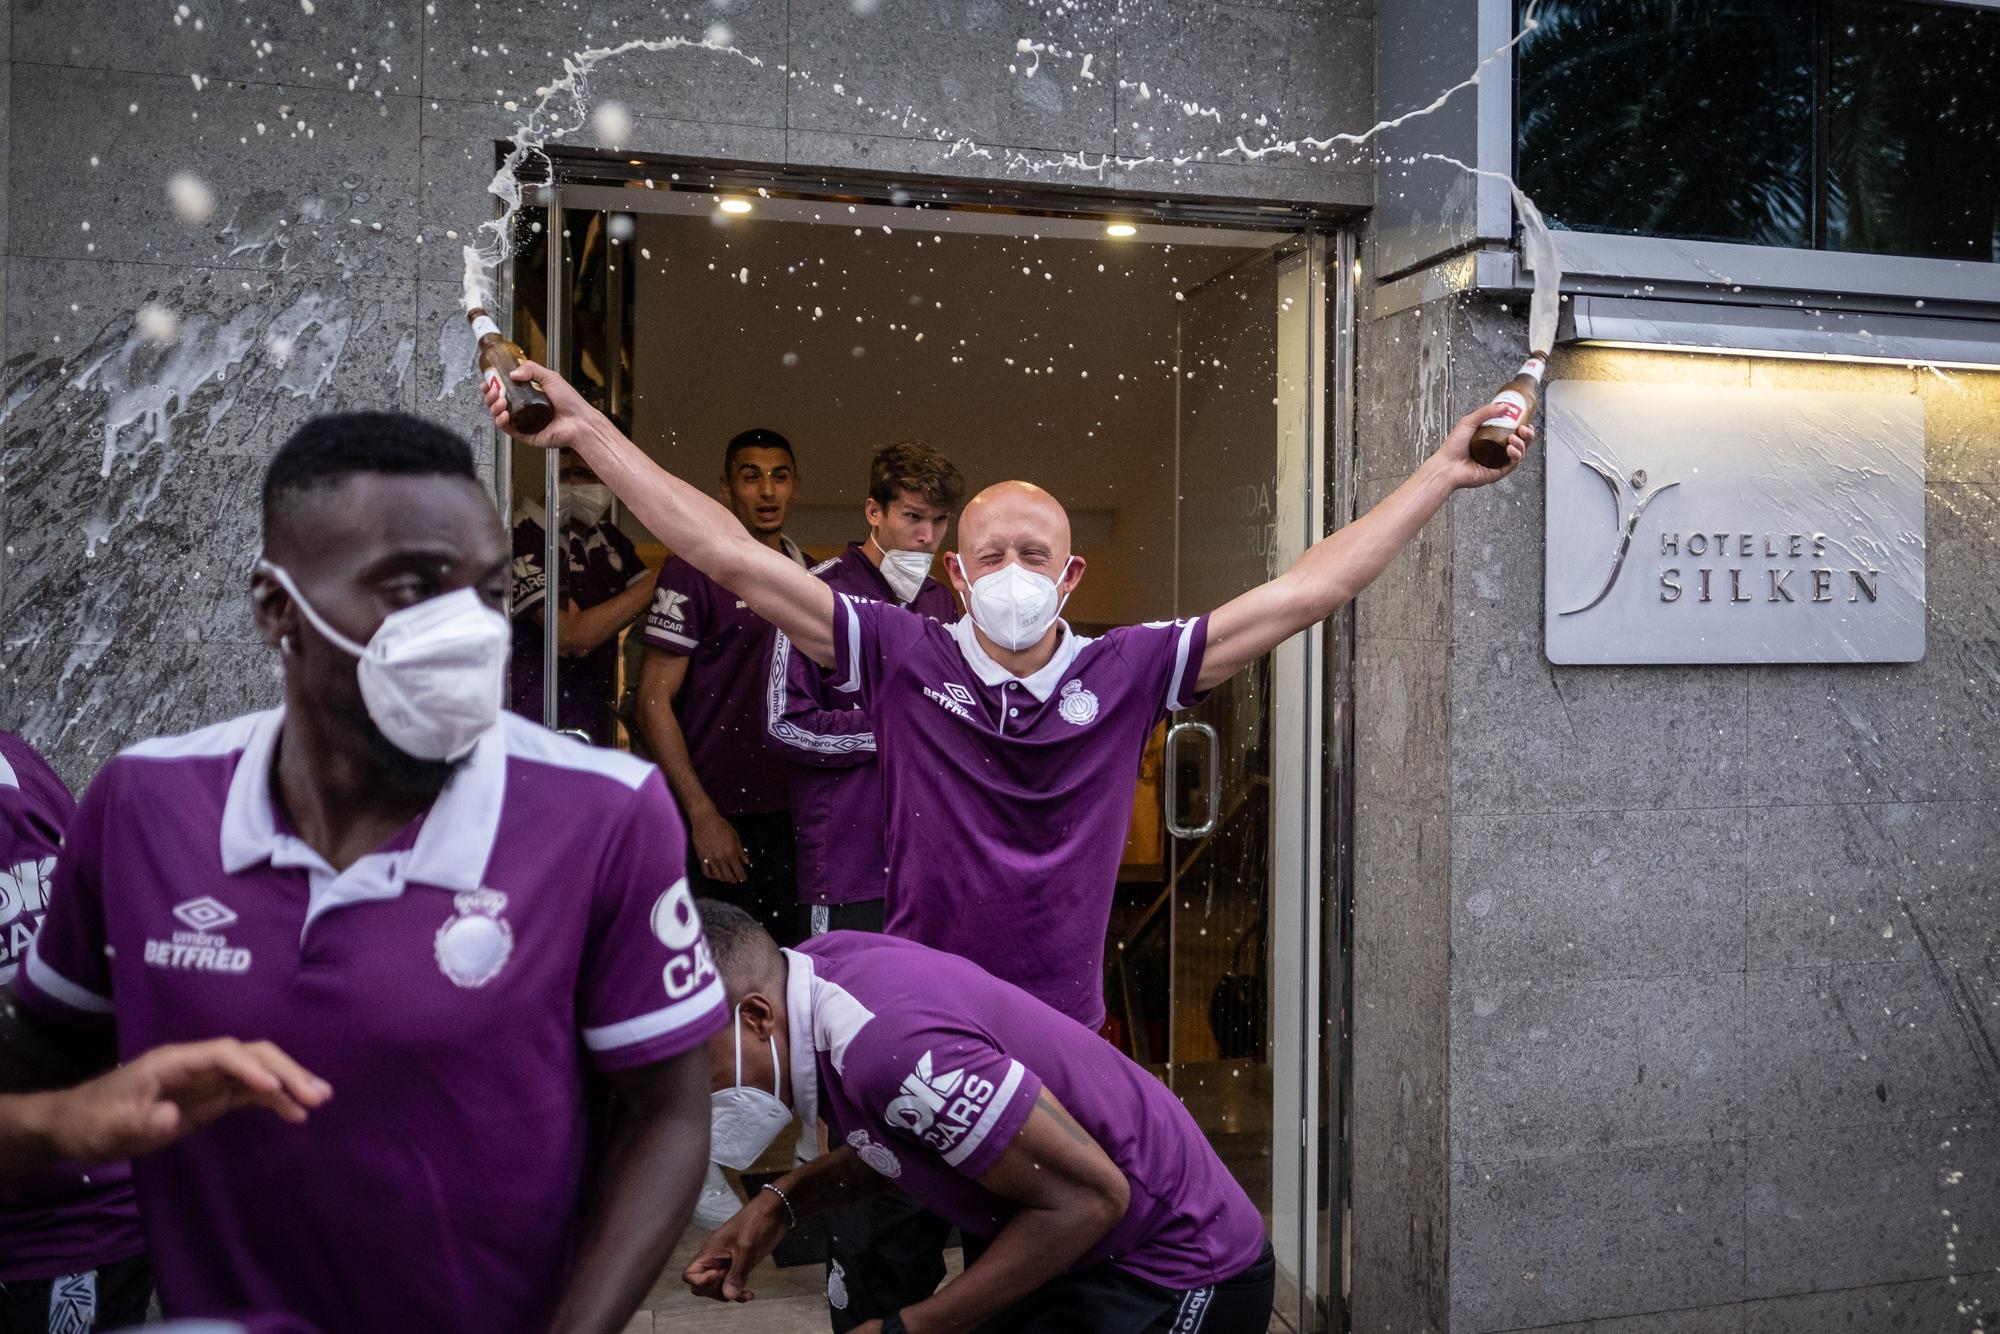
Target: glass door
x,y
1244,767
570,261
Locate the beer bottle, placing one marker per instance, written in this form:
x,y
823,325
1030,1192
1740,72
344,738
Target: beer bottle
x,y
527,405
1512,406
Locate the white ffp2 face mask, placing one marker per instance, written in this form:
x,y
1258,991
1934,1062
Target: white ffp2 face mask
x,y
742,1122
432,675
904,571
1015,606
585,503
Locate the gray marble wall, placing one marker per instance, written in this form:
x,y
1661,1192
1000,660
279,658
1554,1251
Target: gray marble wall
x,y
1715,944
348,149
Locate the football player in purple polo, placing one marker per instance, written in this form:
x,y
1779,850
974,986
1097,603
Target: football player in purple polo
x,y
449,913
1010,745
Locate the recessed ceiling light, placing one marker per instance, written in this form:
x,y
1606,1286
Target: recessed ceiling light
x,y
732,204
1120,229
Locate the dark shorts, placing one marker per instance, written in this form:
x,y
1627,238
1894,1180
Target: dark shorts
x,y
769,894
1104,1300
816,919
113,1296
884,1253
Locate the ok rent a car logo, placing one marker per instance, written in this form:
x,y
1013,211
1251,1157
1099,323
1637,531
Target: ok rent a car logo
x,y
939,1108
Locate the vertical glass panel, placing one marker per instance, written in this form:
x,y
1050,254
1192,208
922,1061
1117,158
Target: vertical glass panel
x,y
596,351
1681,118
1222,982
1913,137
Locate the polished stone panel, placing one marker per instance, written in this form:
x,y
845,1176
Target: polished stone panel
x,y
251,355
495,53
1848,1207
1926,732
1401,1005
1925,1306
1399,718
1531,737
1596,896
81,703
464,143
1694,1320
355,45
1579,1236
949,71
328,184
1867,882
1409,599
1866,1043
1541,1067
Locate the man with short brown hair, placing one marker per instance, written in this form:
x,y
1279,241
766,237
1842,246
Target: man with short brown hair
x,y
825,734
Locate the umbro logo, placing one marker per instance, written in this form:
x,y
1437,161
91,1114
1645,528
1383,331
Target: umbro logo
x,y
204,914
954,698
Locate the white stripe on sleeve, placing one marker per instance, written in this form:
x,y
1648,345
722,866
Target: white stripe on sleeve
x,y
1181,650
845,609
60,988
787,732
991,1117
631,1032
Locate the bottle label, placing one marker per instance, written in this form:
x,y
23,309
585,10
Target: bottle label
x,y
1508,406
1534,366
493,377
483,325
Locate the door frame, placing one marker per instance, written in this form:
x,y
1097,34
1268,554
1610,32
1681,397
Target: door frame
x,y
1317,1299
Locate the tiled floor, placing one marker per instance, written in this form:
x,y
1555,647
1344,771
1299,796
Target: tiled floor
x,y
789,1301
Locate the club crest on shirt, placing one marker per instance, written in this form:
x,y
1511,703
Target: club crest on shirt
x,y
474,943
877,1156
836,1286
1078,706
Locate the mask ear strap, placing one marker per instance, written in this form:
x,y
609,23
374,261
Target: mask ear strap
x,y
777,1075
737,1018
284,579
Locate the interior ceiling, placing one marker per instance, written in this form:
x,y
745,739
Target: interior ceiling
x,y
1021,356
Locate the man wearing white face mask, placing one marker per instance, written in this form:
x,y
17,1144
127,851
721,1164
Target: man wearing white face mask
x,y
1010,745
433,904
913,490
604,588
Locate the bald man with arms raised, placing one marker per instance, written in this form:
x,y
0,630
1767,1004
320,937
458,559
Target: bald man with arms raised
x,y
1009,744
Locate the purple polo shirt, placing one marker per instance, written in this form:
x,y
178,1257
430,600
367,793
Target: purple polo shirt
x,y
836,788
600,562
721,704
70,1219
929,1067
1009,798
453,986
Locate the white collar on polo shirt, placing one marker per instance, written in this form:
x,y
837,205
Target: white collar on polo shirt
x,y
450,853
1043,683
821,1016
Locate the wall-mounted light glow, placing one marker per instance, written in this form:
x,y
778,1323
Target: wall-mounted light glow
x,y
1120,229
1777,355
734,204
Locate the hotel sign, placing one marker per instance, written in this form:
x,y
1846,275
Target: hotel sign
x,y
1691,524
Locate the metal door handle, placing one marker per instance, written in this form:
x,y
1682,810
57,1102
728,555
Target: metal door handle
x,y
1206,827
578,733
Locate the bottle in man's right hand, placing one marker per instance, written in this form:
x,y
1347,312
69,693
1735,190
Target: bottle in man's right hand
x,y
527,406
1511,406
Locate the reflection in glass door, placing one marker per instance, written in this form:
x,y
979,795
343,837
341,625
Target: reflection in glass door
x,y
1243,777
